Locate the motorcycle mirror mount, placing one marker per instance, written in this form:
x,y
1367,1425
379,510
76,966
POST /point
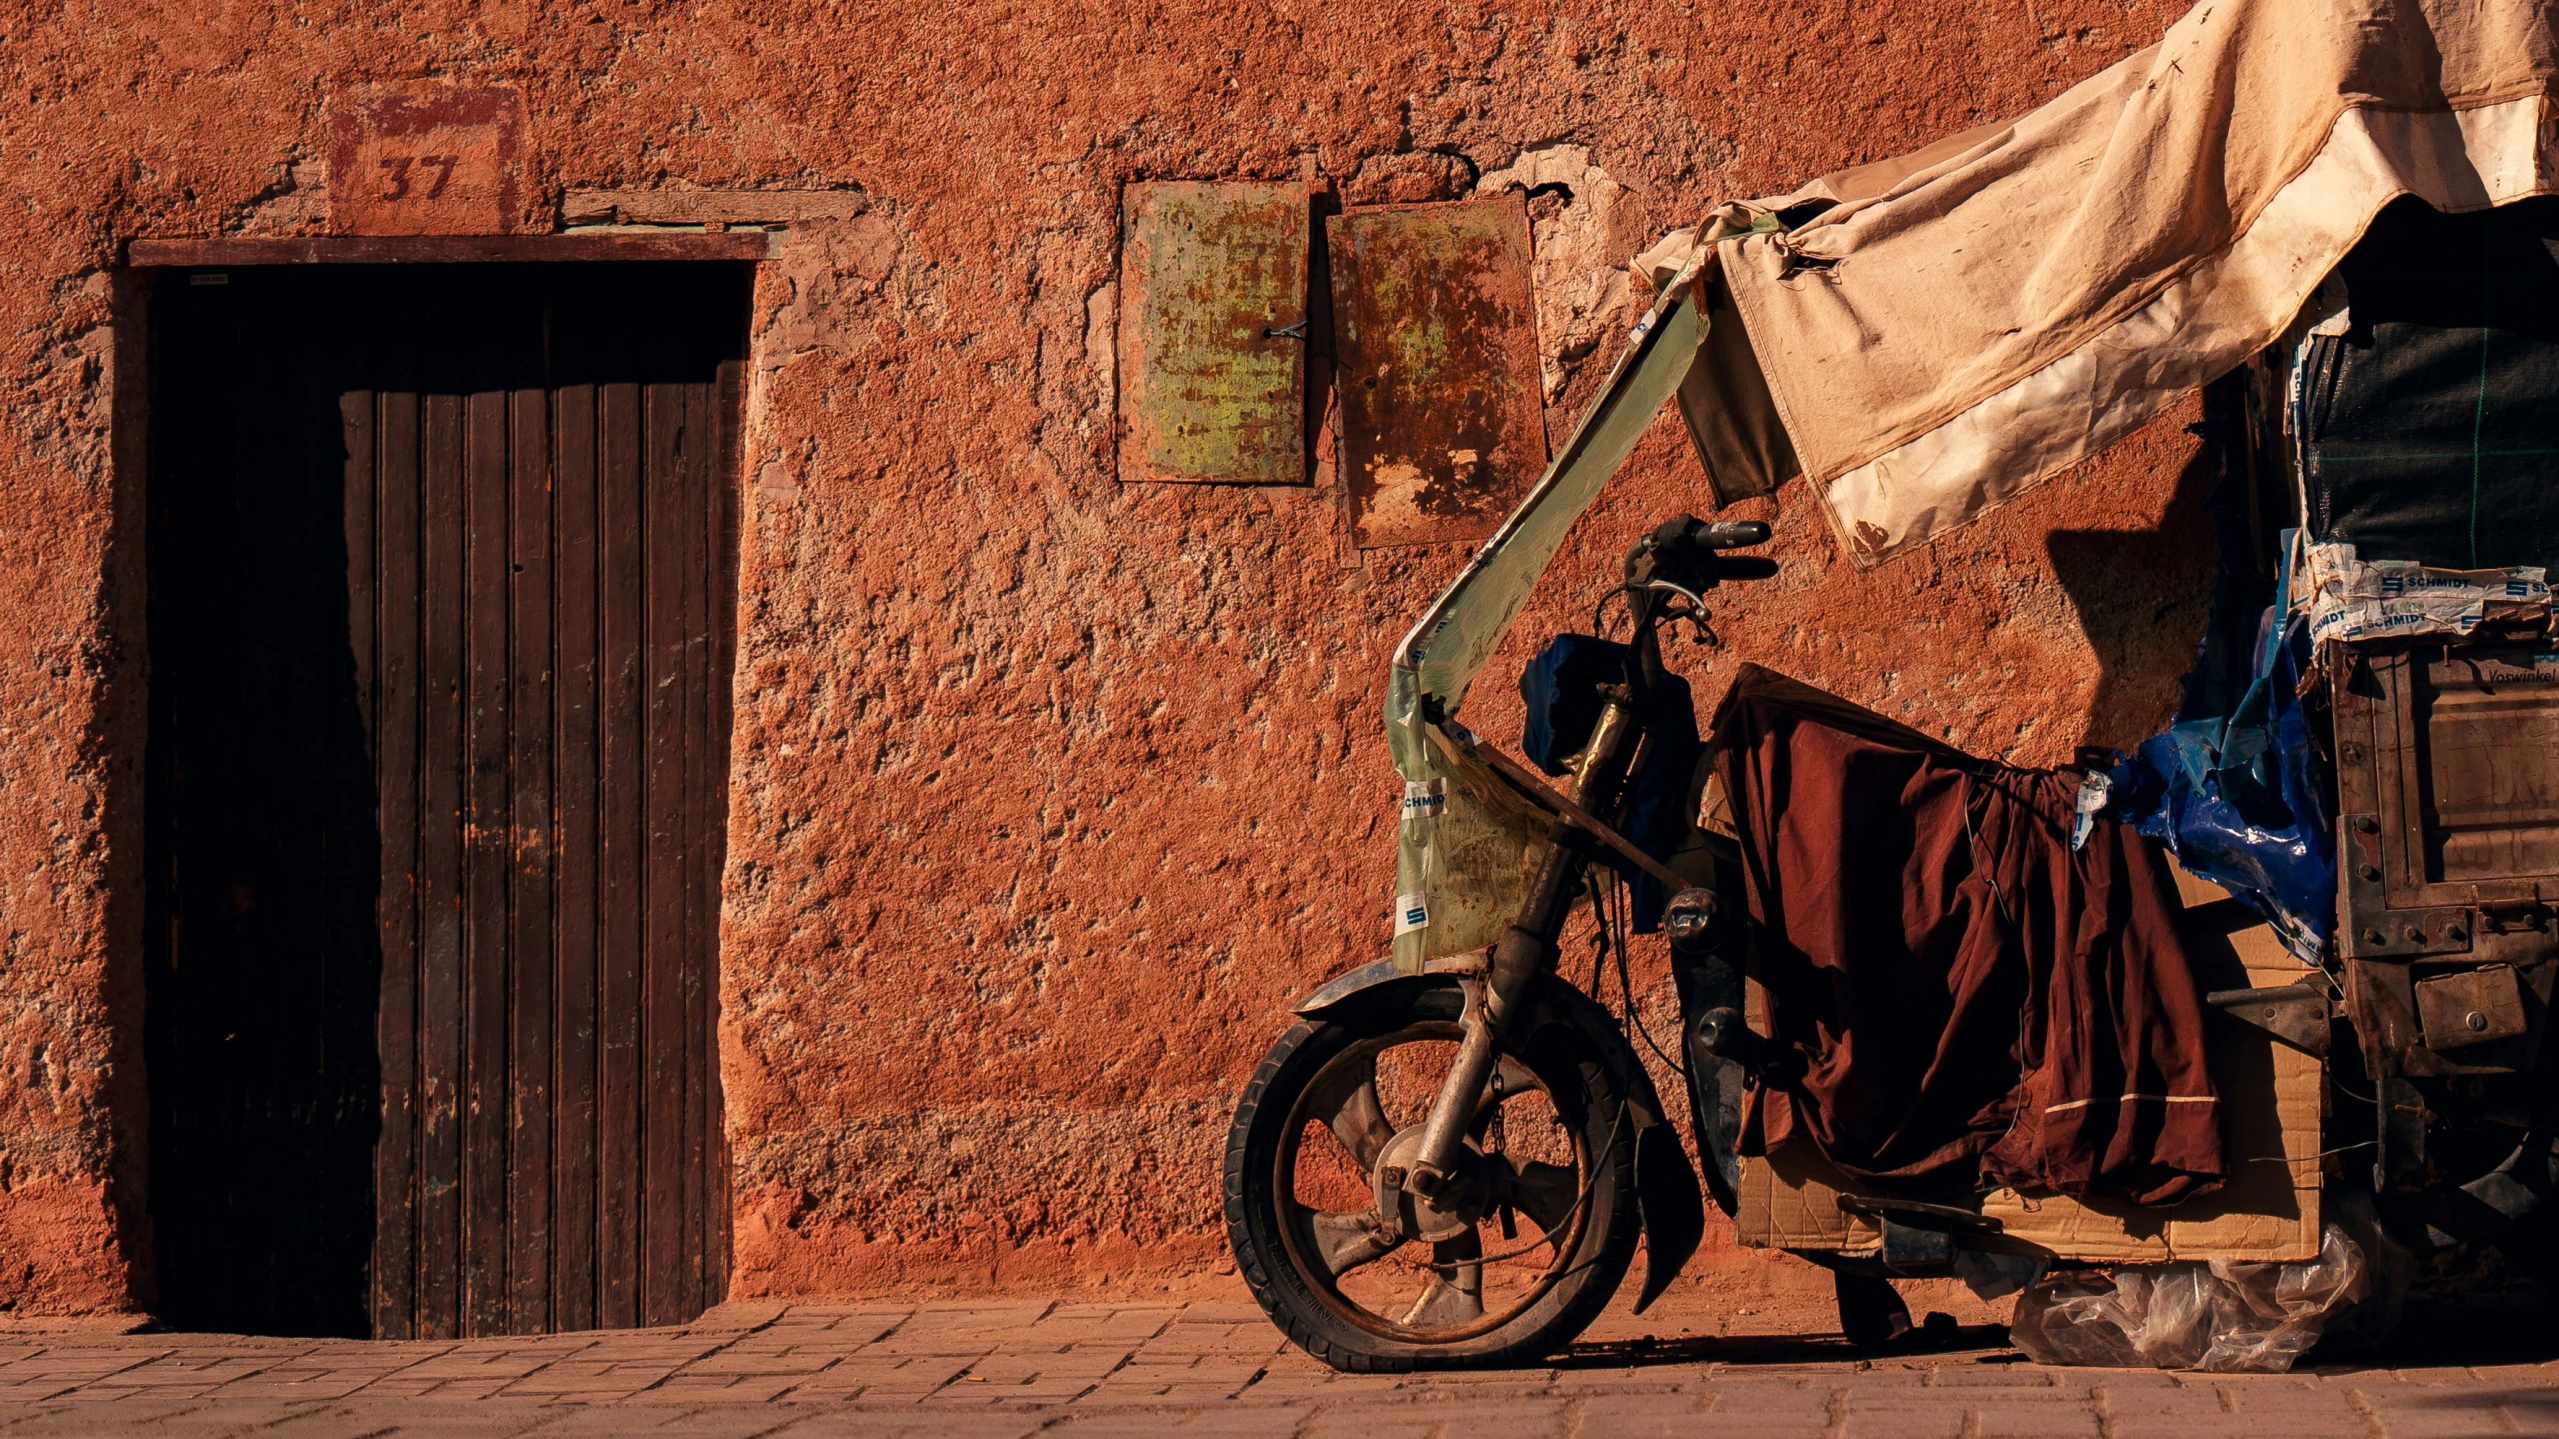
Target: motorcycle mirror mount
x,y
1689,915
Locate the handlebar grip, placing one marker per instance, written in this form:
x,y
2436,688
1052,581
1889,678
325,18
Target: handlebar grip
x,y
1732,534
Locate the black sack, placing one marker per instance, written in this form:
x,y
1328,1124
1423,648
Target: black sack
x,y
2431,428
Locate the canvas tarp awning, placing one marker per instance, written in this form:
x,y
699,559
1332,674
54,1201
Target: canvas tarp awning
x,y
1964,321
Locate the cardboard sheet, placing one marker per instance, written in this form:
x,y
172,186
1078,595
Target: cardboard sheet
x,y
2271,1098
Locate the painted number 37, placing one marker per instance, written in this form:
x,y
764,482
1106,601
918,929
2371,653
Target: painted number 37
x,y
403,182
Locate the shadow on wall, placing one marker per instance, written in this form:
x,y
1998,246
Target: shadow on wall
x,y
2143,596
262,963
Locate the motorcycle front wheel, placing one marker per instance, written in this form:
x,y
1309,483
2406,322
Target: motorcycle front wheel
x,y
1514,1256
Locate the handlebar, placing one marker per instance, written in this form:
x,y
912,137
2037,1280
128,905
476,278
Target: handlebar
x,y
1687,532
1729,534
1683,558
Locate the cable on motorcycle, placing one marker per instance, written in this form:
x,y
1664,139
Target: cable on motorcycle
x,y
1614,930
1695,614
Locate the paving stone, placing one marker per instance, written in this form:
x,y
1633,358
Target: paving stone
x,y
611,1421
432,1421
1147,1424
1223,1314
1130,1322
1906,1417
2067,1415
1103,1370
736,1365
1646,1416
1322,1384
2431,1410
863,1424
123,1416
2516,1376
2003,1376
1211,1342
881,1378
1764,1407
1400,1423
74,1370
1769,1392
1465,1381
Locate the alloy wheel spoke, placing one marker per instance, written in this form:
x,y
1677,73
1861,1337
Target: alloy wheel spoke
x,y
1455,1295
1342,1242
1354,1114
1546,1193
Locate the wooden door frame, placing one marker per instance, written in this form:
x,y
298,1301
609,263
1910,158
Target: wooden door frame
x,y
144,260
606,246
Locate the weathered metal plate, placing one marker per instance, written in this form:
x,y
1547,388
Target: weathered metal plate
x,y
2473,1006
1443,425
1210,389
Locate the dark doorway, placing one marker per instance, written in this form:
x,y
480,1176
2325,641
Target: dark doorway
x,y
442,585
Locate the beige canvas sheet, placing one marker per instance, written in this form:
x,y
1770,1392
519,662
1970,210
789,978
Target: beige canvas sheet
x,y
1972,317
2271,1097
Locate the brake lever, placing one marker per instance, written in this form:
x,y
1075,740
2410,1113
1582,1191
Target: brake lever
x,y
1656,582
1696,614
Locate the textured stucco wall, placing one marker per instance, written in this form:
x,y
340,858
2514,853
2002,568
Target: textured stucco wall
x,y
1049,793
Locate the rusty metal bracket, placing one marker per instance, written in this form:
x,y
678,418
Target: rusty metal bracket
x,y
2399,1158
2513,916
2297,1014
1941,1216
1919,1239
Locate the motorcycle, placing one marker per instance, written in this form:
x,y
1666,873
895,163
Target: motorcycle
x,y
1407,1113
1448,1163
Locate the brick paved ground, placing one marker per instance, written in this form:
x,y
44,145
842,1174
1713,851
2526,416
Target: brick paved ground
x,y
1089,1370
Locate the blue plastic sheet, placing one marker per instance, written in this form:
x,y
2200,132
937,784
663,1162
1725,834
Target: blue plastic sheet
x,y
2234,788
1561,688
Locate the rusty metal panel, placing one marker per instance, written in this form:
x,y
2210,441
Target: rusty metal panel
x,y
1212,340
2473,1006
1443,424
2448,855
2449,771
2486,729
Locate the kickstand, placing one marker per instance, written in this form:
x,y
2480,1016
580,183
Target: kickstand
x,y
1871,1313
1873,1317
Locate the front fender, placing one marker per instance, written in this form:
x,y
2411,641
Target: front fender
x,y
1358,981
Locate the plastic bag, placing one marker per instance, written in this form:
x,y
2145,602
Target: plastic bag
x,y
2221,1317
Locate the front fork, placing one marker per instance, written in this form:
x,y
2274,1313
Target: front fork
x,y
1527,952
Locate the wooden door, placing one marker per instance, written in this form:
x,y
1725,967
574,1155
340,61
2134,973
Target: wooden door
x,y
501,499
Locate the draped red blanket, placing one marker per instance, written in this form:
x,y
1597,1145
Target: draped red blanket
x,y
1979,1004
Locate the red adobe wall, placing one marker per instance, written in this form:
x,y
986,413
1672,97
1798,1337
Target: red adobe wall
x,y
1049,793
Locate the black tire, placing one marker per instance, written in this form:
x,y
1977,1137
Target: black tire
x,y
1589,1108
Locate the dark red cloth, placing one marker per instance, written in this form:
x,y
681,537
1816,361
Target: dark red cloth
x,y
1979,1005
